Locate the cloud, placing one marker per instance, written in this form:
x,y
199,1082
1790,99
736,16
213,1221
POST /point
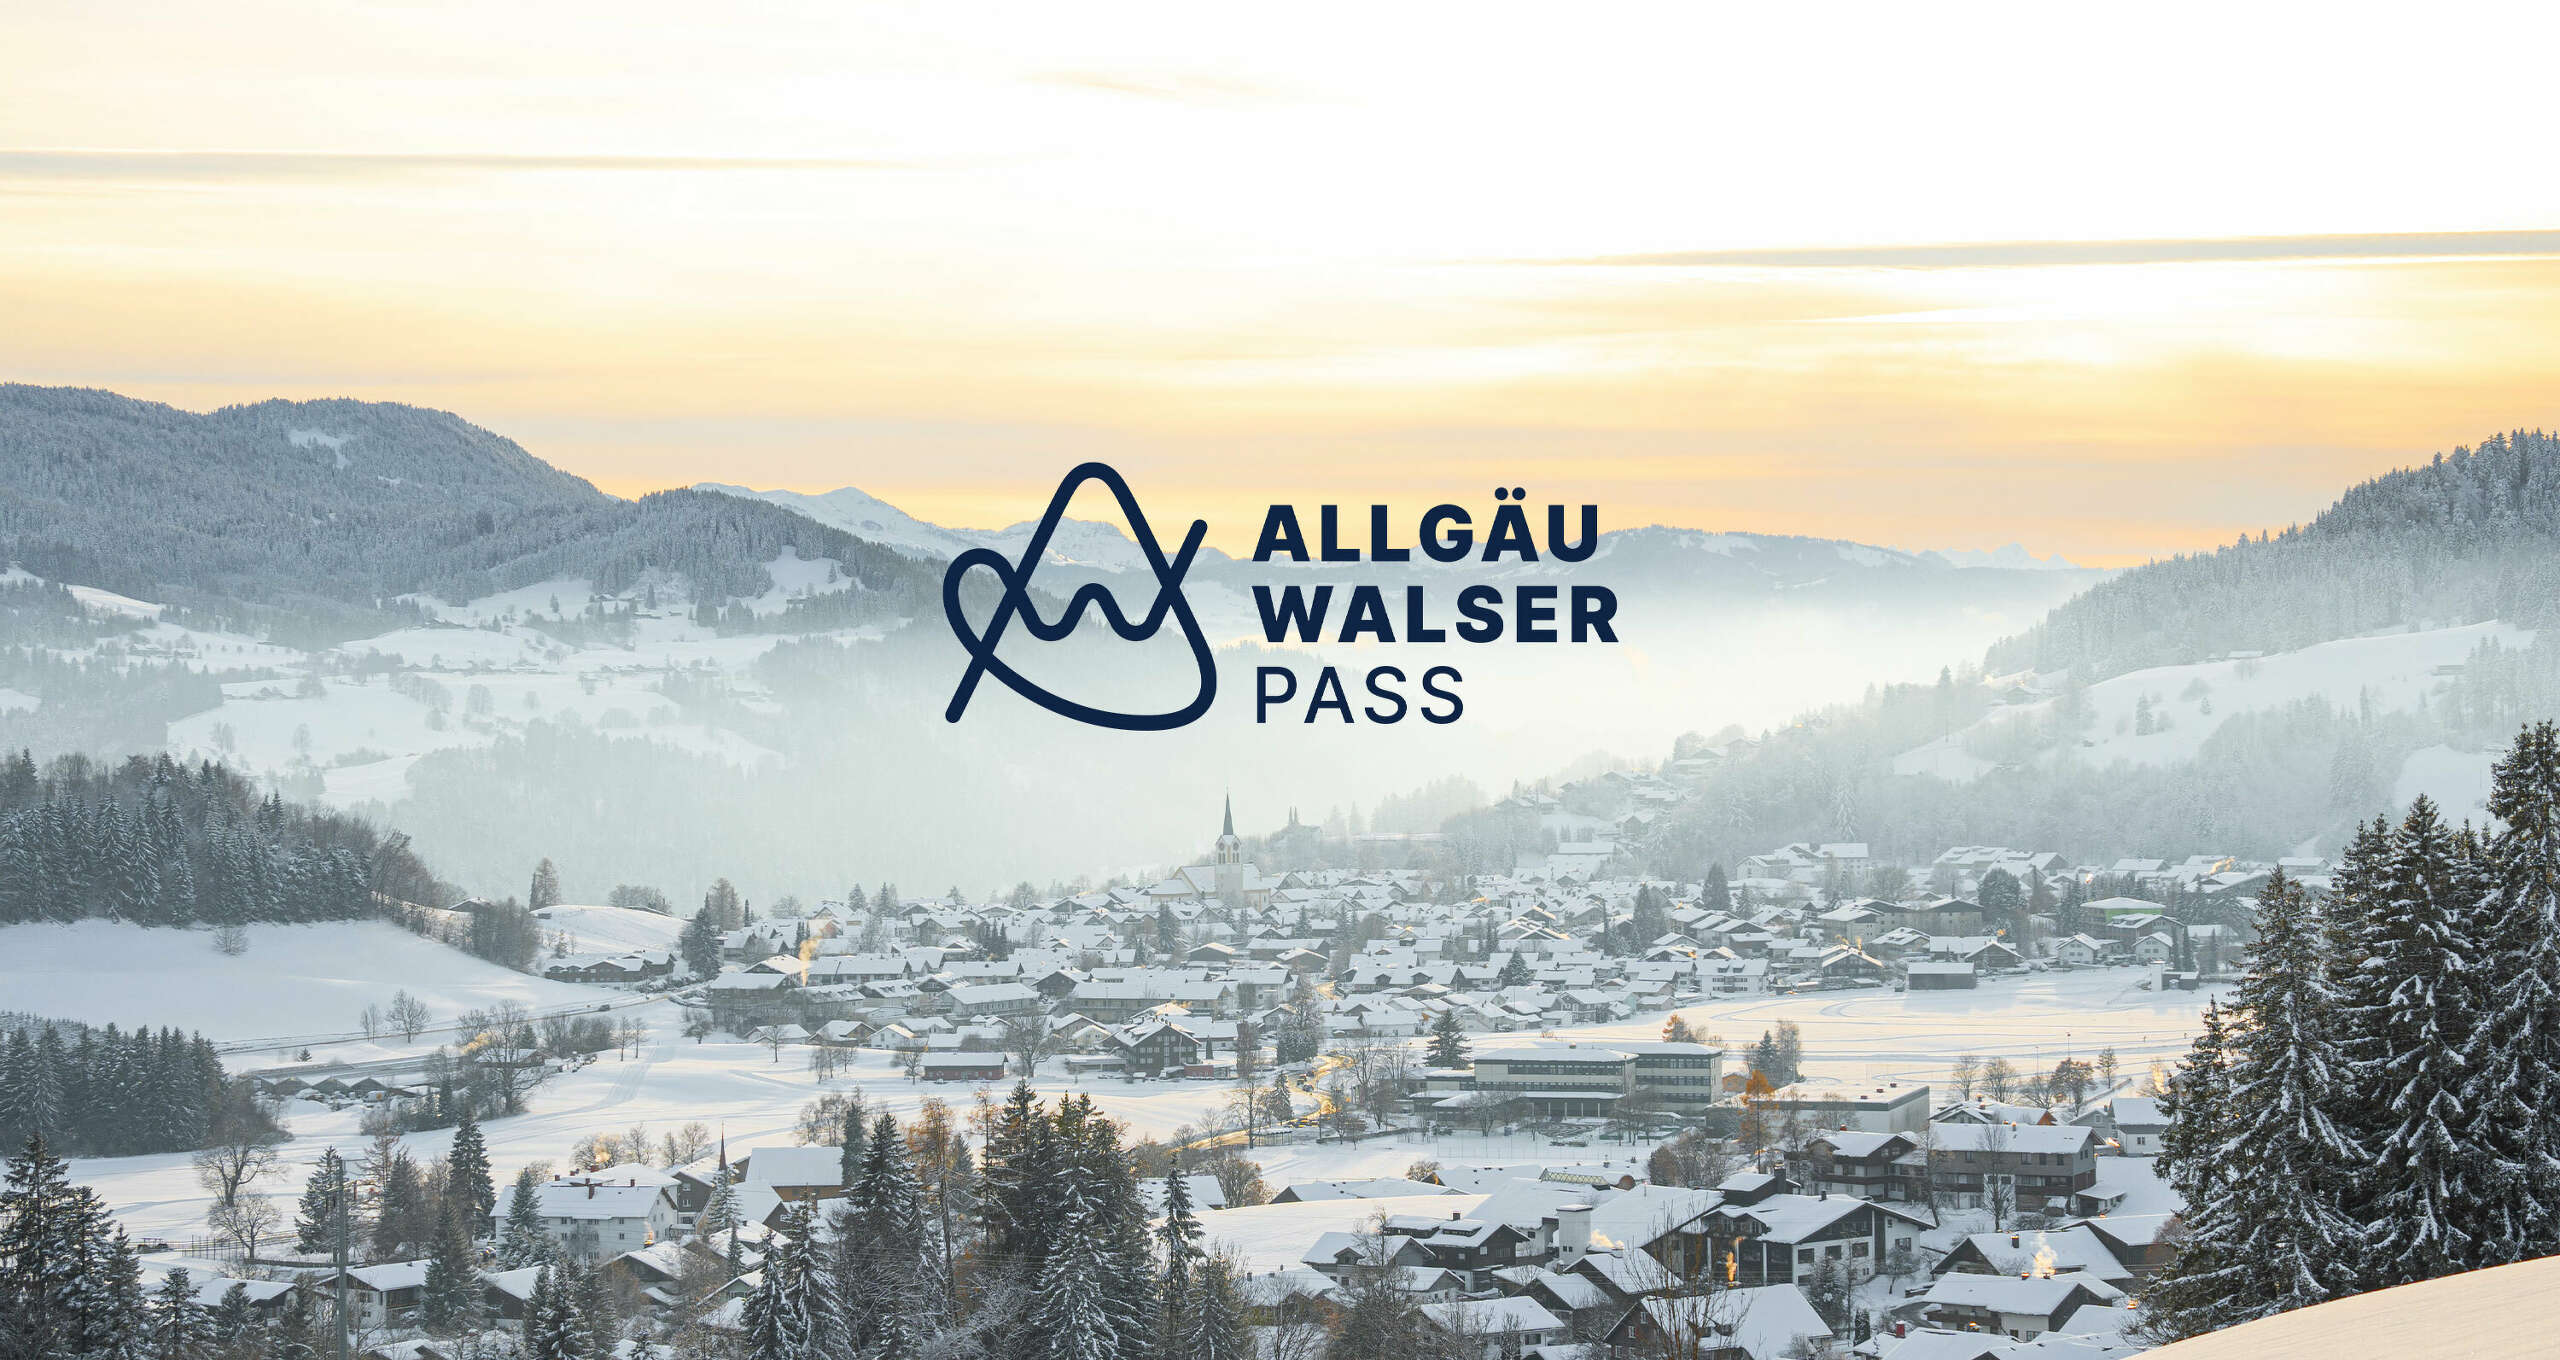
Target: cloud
x,y
2029,254
90,164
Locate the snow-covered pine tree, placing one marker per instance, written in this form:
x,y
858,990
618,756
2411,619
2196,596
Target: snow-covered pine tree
x,y
551,1330
467,1172
1180,1234
1072,1318
315,1218
879,1246
1215,1327
599,1321
2414,1020
447,1302
179,1329
2513,1062
793,1313
2289,1156
1448,1041
114,1319
524,1243
853,1139
2197,1292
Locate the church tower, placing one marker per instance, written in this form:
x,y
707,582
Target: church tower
x,y
1228,861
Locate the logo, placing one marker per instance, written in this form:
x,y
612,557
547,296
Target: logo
x,y
1016,599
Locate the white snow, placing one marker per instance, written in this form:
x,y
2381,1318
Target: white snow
x,y
1269,1237
610,930
18,701
2458,781
2485,1314
2392,671
294,981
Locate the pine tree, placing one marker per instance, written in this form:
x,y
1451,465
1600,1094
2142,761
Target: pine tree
x,y
2415,1018
1515,972
1215,1327
179,1329
115,1318
1072,1320
545,891
452,1287
552,1328
853,1140
793,1313
50,1234
524,1242
600,1325
2270,1230
2513,1087
467,1176
1448,1042
880,1246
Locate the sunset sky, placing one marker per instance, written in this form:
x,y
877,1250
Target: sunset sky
x,y
2107,286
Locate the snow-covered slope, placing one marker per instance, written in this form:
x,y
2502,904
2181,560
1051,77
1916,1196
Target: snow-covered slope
x,y
1075,542
609,930
2484,1315
293,981
2392,672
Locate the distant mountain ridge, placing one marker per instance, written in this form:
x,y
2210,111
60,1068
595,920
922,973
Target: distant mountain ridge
x,y
1724,557
2463,538
314,516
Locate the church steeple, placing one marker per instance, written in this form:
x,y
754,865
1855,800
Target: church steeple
x,y
1231,816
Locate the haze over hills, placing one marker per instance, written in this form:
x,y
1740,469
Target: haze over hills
x,y
394,610
2256,700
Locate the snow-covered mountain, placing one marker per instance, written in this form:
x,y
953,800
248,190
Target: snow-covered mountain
x,y
1075,542
2007,557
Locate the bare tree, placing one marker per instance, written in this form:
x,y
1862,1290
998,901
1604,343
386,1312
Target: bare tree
x,y
1963,1074
244,1221
408,1015
1027,1040
237,1160
370,1021
1999,1080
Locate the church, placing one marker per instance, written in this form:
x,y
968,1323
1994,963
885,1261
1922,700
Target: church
x,y
1226,878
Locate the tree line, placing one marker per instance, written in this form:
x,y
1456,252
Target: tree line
x,y
154,842
110,1093
2380,1103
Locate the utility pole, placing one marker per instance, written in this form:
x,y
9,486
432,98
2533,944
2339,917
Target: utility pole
x,y
341,1197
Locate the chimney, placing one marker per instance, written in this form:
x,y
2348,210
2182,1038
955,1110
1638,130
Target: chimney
x,y
591,1189
2013,1240
1573,1232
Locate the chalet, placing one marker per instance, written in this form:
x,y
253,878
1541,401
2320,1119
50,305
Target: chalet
x,y
2019,1308
2131,1125
2038,1252
795,1174
1150,1047
1784,1239
593,1215
1502,1327
1873,1166
1764,1322
2040,1167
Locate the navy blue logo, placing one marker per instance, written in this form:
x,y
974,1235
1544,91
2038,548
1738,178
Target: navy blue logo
x,y
1017,600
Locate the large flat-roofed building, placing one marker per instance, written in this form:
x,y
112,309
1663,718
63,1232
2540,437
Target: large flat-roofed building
x,y
1562,1078
1867,1107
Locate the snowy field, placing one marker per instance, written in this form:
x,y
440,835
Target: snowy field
x,y
294,983
740,1090
608,930
2394,670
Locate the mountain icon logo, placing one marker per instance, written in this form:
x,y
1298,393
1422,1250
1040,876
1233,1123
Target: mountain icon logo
x,y
1016,600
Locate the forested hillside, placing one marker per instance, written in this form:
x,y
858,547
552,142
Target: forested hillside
x,y
157,843
302,520
2471,535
